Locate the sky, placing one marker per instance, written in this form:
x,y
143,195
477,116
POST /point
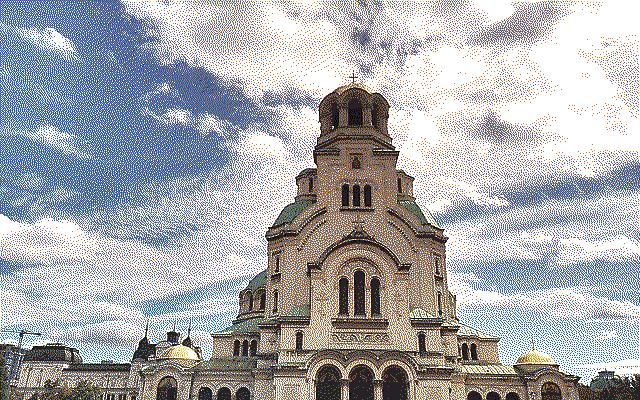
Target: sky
x,y
146,146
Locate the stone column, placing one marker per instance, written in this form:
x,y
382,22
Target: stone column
x,y
377,389
366,116
343,116
345,389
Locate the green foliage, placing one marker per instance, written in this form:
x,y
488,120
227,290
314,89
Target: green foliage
x,y
627,388
83,391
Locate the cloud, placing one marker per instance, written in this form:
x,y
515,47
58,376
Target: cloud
x,y
47,39
608,335
54,138
622,367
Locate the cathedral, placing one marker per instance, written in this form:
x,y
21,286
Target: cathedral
x,y
353,304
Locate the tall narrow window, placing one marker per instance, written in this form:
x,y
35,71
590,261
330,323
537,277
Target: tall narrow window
x,y
250,302
439,304
263,300
474,351
334,116
399,185
422,343
236,348
355,112
245,348
358,293
276,268
310,184
355,162
437,264
344,296
253,348
275,301
356,195
375,296
345,195
299,338
465,351
367,195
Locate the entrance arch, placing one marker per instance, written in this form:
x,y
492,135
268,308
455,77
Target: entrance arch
x,y
205,393
167,389
474,396
328,383
243,394
395,384
361,383
551,391
224,393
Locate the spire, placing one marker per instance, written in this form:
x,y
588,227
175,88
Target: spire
x,y
146,329
533,344
187,341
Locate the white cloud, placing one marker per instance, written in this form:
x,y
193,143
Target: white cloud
x,y
608,335
47,39
53,137
623,367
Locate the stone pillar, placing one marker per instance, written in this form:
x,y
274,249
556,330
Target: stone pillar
x,y
345,389
366,116
343,116
377,389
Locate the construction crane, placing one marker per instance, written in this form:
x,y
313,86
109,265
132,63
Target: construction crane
x,y
17,360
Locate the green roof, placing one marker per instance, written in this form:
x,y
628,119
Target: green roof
x,y
291,211
466,330
419,313
257,281
303,310
246,326
414,209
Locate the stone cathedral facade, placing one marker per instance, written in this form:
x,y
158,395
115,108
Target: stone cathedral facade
x,y
353,304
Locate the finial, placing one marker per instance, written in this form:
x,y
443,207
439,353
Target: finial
x,y
533,344
353,77
174,326
146,328
189,330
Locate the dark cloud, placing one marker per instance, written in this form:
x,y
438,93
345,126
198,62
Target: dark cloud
x,y
493,129
529,23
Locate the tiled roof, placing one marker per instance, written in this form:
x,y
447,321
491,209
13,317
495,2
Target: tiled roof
x,y
419,313
491,369
257,281
466,330
415,209
303,310
246,326
291,211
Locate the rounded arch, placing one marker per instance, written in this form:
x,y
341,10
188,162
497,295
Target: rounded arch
x,y
328,383
205,393
167,389
512,396
299,340
253,348
375,295
326,357
422,343
245,348
359,299
236,348
465,351
550,391
395,383
354,93
224,393
361,379
343,296
474,396
243,394
493,396
358,241
473,350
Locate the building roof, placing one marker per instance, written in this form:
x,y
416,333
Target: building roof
x,y
419,313
303,310
535,357
466,330
53,352
490,369
291,211
415,209
180,352
99,367
245,326
257,281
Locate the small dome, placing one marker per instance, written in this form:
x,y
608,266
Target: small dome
x,y
535,357
344,88
180,352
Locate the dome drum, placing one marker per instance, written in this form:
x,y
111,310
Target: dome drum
x,y
353,105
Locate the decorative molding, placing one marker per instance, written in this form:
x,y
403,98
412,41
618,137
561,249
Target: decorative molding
x,y
360,337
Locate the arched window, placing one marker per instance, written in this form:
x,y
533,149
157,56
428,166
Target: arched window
x,y
243,394
310,184
344,296
205,394
356,195
437,265
236,348
493,396
276,268
328,383
245,348
355,112
167,389
474,351
275,301
395,384
253,348
334,116
422,343
345,195
299,338
399,185
439,304
360,383
355,162
263,300
224,393
551,391
358,293
465,351
512,396
367,195
250,296
375,296
474,396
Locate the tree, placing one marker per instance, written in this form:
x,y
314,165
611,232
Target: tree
x,y
85,391
585,392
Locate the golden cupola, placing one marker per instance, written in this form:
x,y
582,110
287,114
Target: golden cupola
x,y
180,352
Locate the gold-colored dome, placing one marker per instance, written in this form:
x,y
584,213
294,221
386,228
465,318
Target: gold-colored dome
x,y
343,88
181,352
535,357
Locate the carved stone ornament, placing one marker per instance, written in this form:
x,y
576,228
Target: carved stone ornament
x,y
360,337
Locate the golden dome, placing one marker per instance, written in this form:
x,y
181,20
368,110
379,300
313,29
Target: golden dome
x,y
343,88
535,357
181,352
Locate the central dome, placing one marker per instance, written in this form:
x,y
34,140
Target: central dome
x,y
180,352
535,357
